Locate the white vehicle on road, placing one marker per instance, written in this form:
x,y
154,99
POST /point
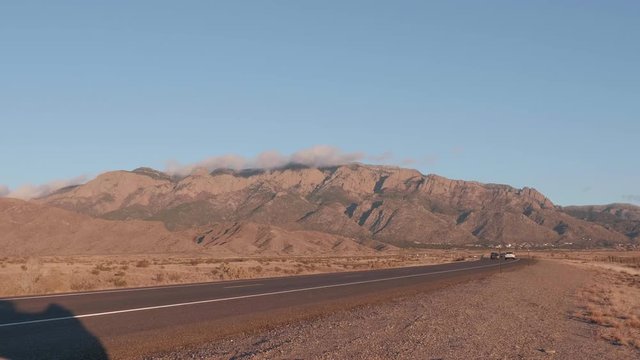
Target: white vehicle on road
x,y
509,256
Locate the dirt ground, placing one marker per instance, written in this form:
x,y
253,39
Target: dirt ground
x,y
44,275
525,314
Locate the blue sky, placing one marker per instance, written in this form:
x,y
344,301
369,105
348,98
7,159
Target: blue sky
x,y
539,93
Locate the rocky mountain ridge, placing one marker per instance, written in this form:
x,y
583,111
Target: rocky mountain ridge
x,y
375,205
623,218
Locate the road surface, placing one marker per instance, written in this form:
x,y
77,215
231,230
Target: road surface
x,y
128,323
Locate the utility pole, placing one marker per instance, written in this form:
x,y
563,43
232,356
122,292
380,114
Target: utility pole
x,y
500,258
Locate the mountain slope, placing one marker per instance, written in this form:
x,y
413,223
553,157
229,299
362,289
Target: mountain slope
x,y
624,218
252,238
29,229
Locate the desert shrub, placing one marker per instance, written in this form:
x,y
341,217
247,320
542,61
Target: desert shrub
x,y
118,281
143,263
159,277
175,277
24,267
255,270
103,267
231,272
119,273
80,285
95,272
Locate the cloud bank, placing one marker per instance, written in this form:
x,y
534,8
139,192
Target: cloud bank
x,y
317,156
30,191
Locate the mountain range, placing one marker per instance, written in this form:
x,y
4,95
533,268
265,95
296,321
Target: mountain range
x,y
300,210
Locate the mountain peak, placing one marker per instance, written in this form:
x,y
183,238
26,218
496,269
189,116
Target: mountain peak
x,y
153,173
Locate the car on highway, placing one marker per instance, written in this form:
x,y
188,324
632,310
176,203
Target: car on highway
x,y
494,256
509,256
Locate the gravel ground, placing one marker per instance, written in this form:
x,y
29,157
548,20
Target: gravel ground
x,y
522,314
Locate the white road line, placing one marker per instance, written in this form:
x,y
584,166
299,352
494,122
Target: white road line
x,y
241,286
243,296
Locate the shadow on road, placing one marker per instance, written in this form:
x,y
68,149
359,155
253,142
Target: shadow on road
x,y
63,339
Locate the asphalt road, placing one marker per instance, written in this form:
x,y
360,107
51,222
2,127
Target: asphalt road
x,y
130,323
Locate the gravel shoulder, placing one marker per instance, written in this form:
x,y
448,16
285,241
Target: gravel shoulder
x,y
522,314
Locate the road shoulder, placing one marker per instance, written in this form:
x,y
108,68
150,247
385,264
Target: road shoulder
x,y
516,314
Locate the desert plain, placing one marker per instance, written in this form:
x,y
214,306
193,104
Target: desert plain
x,y
562,304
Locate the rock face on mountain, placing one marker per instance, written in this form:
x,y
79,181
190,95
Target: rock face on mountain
x,y
375,205
624,218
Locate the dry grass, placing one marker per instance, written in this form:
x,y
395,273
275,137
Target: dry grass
x,y
612,302
22,276
628,259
